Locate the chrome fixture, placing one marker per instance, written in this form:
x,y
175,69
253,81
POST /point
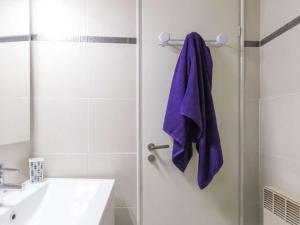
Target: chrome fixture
x,y
166,40
3,185
151,147
151,158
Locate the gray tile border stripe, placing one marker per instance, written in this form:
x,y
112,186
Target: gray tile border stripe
x,y
86,39
15,38
275,34
41,37
280,31
132,40
252,44
119,40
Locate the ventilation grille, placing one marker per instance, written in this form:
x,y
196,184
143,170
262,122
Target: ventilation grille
x,y
282,206
268,200
279,206
292,213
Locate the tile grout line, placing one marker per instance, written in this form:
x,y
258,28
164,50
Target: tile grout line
x,y
89,111
125,207
89,92
278,156
278,96
134,208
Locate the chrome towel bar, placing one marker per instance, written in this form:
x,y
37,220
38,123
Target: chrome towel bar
x,y
166,40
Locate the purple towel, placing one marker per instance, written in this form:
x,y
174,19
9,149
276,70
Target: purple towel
x,y
190,115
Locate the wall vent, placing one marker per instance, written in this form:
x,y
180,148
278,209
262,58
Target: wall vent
x,y
292,213
279,208
268,200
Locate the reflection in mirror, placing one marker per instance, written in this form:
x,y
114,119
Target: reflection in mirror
x,y
14,71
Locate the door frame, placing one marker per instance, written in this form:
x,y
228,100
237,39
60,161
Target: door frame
x,y
139,110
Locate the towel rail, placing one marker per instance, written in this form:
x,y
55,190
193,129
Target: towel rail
x,y
166,40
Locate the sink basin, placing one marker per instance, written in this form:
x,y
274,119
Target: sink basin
x,y
59,202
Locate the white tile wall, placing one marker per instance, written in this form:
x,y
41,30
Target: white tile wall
x,y
279,106
78,17
276,13
65,165
59,17
85,95
282,173
112,126
108,79
15,69
14,92
280,121
111,18
60,126
14,17
280,65
14,120
60,69
122,167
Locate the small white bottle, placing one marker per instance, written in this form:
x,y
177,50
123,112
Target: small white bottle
x,y
36,169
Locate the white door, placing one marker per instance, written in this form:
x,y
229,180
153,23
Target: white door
x,y
168,196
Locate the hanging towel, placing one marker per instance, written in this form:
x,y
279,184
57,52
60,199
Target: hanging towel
x,y
190,115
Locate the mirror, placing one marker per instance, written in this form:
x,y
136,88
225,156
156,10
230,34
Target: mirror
x,y
14,71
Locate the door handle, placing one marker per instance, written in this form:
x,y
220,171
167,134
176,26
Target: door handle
x,y
151,147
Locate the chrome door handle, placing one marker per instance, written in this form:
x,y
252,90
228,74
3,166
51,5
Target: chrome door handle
x,y
151,147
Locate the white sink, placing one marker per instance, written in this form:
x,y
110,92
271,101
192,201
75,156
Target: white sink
x,y
59,202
